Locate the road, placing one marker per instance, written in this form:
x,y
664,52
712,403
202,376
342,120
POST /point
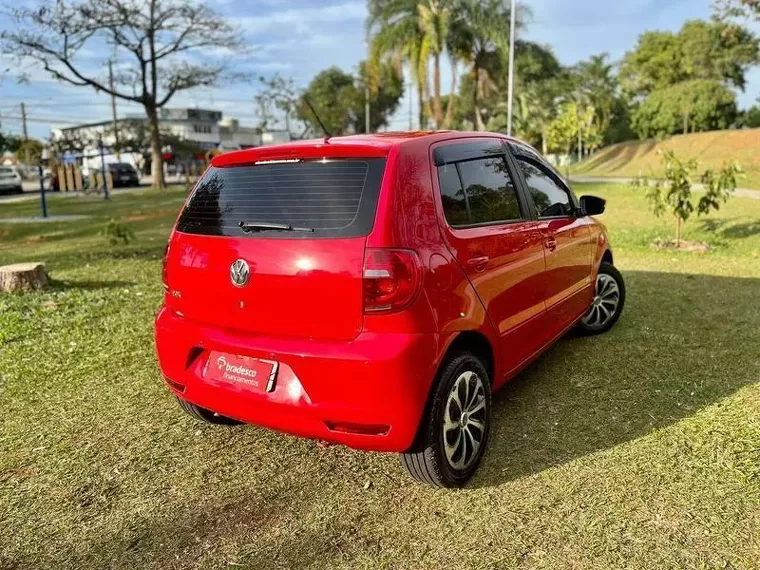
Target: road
x,y
743,192
32,190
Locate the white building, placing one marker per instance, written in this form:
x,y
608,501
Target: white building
x,y
204,126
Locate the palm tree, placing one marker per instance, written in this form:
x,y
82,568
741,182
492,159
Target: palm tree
x,y
397,38
435,18
597,88
413,32
481,40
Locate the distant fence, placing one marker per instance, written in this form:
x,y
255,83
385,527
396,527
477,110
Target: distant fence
x,y
69,178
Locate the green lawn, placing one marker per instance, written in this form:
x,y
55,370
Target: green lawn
x,y
635,449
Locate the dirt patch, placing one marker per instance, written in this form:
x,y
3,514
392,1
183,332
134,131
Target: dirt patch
x,y
670,245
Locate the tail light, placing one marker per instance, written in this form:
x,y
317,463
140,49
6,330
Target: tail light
x,y
391,279
164,271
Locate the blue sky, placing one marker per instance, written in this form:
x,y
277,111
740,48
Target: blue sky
x,y
297,38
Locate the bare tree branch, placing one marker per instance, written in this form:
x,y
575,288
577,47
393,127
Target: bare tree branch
x,y
152,35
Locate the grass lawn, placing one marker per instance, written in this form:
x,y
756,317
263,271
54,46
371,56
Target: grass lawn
x,y
712,149
635,449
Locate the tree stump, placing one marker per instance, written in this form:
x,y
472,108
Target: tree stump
x,y
23,277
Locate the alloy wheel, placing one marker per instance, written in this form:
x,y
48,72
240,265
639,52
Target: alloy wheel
x,y
464,421
605,303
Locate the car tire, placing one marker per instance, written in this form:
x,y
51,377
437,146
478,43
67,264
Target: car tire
x,y
19,189
205,415
447,451
608,303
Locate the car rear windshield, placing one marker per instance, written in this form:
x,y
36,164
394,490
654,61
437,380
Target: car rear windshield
x,y
334,198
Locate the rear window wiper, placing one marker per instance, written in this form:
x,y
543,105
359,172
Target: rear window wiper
x,y
268,226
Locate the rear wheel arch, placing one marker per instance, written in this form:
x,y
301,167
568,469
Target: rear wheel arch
x,y
607,257
470,341
476,343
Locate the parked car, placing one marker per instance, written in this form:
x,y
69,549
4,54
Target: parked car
x,y
10,180
374,291
123,174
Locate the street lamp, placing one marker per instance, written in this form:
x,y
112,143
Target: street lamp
x,y
366,87
44,158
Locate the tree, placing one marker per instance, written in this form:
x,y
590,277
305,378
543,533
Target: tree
x,y
482,42
750,118
9,142
655,63
673,194
151,40
29,152
718,51
598,87
691,106
397,39
563,130
339,98
574,121
278,95
534,64
386,87
737,10
435,17
331,92
532,114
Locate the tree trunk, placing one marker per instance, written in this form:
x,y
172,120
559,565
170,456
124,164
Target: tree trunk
x,y
437,112
450,105
421,110
479,126
678,232
23,277
157,162
543,144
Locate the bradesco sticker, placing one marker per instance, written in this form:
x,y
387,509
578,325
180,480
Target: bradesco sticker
x,y
237,372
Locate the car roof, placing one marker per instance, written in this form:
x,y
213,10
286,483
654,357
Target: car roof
x,y
376,144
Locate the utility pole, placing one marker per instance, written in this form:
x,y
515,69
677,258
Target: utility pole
x,y
113,110
23,122
103,168
511,66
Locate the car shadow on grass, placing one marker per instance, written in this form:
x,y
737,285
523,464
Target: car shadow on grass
x,y
682,344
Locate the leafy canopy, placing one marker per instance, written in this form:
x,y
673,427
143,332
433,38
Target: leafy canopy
x,y
714,50
690,106
339,98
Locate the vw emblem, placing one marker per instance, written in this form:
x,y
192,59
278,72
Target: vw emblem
x,y
239,273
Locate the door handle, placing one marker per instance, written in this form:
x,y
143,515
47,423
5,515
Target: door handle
x,y
479,263
551,243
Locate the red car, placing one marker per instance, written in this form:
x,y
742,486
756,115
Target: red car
x,y
375,290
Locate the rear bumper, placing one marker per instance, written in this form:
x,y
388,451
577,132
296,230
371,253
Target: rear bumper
x,y
370,391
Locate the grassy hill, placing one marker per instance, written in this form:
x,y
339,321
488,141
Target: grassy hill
x,y
712,149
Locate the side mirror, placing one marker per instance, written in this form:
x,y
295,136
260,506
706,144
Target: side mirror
x,y
592,205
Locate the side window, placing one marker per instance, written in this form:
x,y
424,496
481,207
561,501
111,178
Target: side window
x,y
452,196
550,198
478,191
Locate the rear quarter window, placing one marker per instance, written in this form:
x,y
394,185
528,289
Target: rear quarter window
x,y
335,198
